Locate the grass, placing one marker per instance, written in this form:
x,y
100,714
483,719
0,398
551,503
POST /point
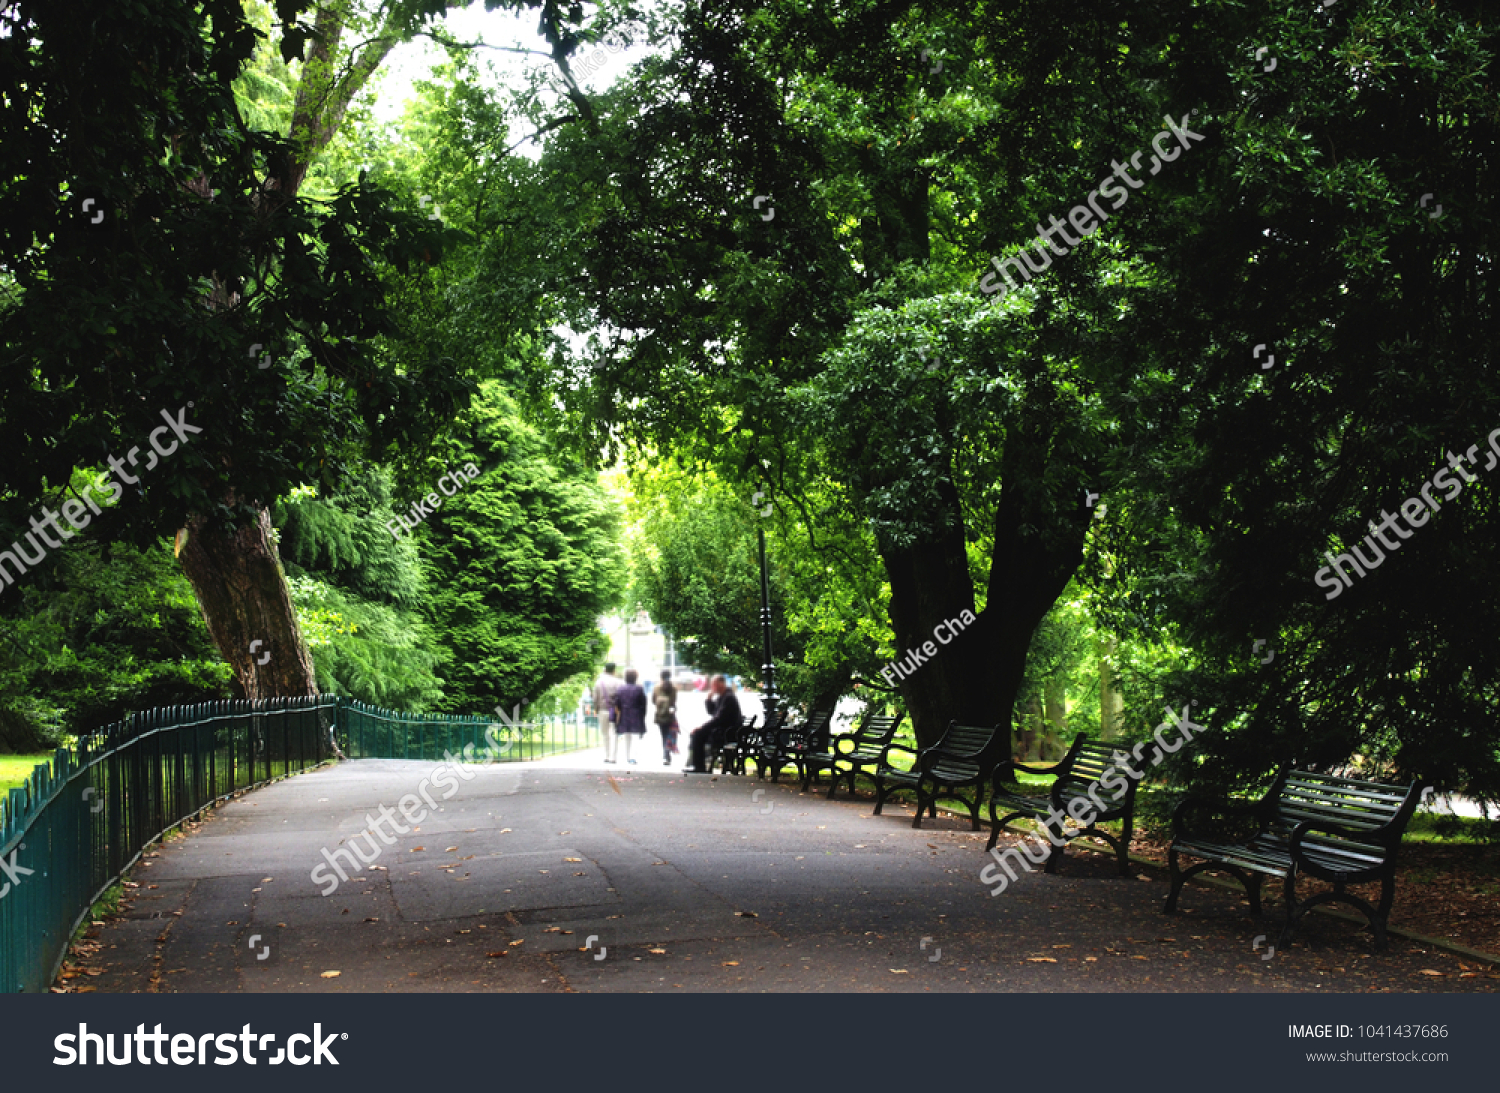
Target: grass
x,y
1430,827
15,769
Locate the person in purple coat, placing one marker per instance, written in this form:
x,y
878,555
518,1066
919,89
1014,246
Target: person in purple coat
x,y
630,714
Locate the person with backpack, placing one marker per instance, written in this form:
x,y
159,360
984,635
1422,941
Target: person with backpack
x,y
664,698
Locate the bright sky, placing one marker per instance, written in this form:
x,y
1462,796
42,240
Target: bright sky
x,y
414,60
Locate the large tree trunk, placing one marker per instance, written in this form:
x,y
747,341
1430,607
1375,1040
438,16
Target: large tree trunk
x,y
236,574
1111,702
1038,544
242,591
1056,697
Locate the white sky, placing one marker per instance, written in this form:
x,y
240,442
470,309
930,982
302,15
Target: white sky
x,y
411,61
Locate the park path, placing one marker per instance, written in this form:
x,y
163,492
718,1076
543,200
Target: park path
x,y
694,884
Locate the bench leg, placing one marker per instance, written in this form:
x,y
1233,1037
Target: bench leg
x,y
1252,890
974,810
1382,913
1122,848
1177,878
1293,911
880,795
921,804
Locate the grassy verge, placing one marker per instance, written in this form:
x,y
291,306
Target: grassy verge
x,y
15,769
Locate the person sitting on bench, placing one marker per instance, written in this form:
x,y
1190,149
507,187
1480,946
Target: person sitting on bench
x,y
724,710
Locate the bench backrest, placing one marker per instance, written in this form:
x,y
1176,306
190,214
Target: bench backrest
x,y
1085,765
814,728
877,730
1349,803
1087,760
965,751
747,726
773,725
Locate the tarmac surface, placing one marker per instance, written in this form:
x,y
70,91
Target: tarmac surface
x,y
572,875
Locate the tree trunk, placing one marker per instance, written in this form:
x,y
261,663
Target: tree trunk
x,y
1056,693
1111,702
242,592
975,676
1031,730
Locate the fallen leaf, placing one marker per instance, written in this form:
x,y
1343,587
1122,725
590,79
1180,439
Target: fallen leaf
x,y
899,971
573,859
518,941
372,920
730,964
414,849
1042,959
1429,971
502,952
506,830
658,952
331,975
449,850
613,785
553,930
747,914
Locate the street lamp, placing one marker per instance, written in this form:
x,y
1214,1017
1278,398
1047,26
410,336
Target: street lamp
x,y
767,668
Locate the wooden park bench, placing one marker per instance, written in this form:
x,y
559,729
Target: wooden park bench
x,y
962,759
729,754
1080,771
1341,830
792,744
850,752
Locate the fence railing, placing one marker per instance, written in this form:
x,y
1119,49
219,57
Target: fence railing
x,y
84,818
368,732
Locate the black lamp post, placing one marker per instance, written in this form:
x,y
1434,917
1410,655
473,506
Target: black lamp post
x,y
767,668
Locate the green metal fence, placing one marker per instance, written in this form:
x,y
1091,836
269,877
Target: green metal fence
x,y
84,818
368,732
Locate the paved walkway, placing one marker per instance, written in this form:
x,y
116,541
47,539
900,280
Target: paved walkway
x,y
688,885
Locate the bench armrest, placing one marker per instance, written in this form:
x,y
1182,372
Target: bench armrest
x,y
885,754
1376,836
1190,805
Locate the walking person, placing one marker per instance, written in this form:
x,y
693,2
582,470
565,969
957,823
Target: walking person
x,y
664,698
630,710
604,709
725,710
